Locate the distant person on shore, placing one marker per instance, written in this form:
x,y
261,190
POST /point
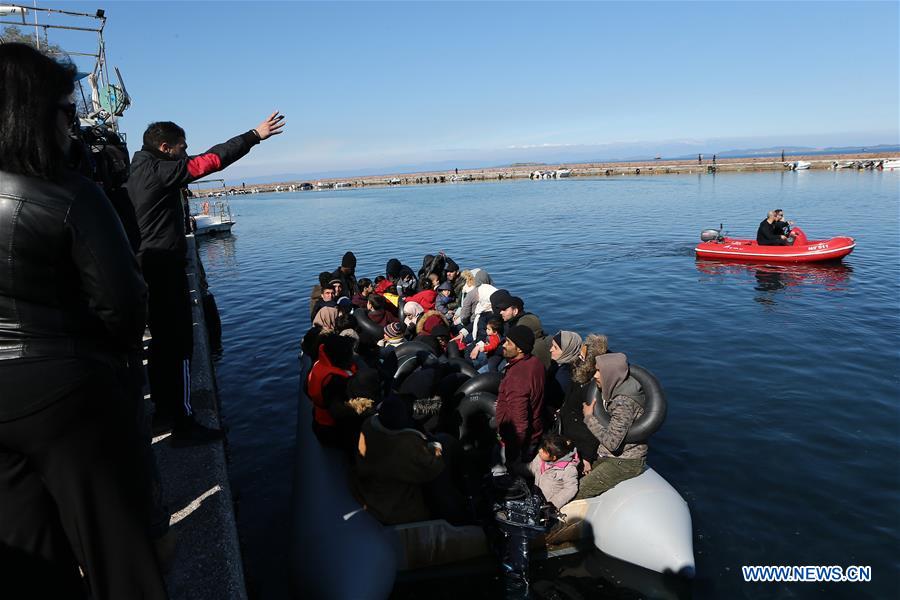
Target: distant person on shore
x,y
714,159
699,159
782,156
768,235
159,171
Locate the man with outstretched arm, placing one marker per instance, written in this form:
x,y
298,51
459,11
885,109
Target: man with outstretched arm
x,y
159,172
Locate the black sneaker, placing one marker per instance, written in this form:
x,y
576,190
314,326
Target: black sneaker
x,y
192,433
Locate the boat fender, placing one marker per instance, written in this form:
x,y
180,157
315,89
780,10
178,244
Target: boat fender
x,y
476,411
483,382
365,325
325,510
654,411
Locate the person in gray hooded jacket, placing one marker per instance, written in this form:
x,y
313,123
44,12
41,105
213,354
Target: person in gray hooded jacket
x,y
623,399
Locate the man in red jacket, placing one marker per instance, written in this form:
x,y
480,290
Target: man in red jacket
x,y
520,401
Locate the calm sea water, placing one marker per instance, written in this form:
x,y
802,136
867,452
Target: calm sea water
x,y
784,421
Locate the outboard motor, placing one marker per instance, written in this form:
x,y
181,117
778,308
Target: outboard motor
x,y
521,514
712,235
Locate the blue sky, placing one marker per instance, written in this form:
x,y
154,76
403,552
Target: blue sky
x,y
376,85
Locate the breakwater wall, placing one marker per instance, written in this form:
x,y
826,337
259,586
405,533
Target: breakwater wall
x,y
598,169
207,556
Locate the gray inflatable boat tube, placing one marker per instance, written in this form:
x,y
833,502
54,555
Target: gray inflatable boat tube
x,y
338,550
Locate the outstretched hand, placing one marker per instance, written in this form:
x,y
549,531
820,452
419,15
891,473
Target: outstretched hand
x,y
271,126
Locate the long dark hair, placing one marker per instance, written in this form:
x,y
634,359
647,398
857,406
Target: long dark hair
x,y
31,88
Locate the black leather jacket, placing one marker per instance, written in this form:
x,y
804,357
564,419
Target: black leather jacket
x,y
69,283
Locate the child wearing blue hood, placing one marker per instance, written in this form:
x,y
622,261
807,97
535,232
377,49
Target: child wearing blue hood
x,y
445,296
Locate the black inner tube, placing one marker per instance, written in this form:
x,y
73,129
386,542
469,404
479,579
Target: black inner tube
x,y
654,411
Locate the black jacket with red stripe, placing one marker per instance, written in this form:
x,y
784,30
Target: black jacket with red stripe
x,y
155,185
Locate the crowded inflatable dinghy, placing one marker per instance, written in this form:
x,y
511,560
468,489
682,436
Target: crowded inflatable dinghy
x,y
385,403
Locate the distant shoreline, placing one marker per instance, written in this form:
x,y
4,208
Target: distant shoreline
x,y
594,169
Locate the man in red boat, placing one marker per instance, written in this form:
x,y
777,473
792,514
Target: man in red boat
x,y
782,227
770,233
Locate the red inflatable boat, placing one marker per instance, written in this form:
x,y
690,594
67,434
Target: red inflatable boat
x,y
801,250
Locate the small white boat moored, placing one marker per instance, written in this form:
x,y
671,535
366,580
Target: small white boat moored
x,y
210,212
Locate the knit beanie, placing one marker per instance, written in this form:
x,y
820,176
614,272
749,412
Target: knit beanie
x,y
393,330
349,260
325,279
451,265
522,337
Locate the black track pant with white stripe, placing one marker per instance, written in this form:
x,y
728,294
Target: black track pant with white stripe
x,y
171,328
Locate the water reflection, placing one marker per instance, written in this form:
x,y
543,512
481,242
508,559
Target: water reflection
x,y
218,251
772,279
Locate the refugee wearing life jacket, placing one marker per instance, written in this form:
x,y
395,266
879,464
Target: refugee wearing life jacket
x,y
387,290
326,386
623,399
520,399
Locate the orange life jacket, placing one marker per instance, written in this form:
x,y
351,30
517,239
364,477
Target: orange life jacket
x,y
319,376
